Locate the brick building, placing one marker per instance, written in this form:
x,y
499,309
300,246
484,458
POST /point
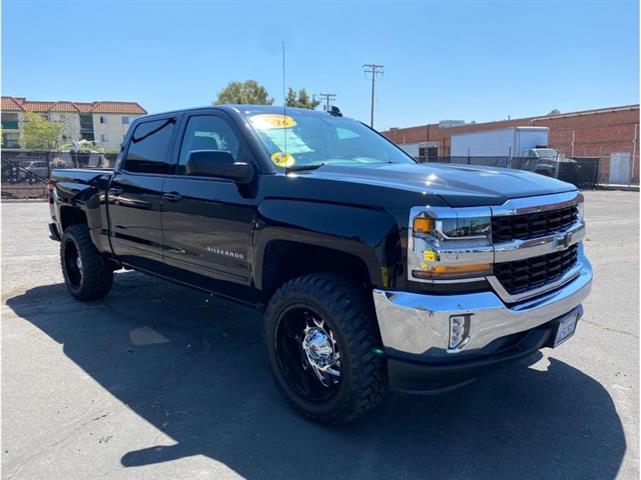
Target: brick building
x,y
608,133
104,123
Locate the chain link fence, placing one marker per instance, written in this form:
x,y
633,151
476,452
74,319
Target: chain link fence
x,y
25,173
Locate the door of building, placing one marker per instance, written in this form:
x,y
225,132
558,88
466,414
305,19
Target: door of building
x,y
620,170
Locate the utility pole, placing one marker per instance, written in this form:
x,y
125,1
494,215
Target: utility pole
x,y
328,99
373,70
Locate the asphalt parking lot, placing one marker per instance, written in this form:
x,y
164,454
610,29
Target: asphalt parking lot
x,y
159,381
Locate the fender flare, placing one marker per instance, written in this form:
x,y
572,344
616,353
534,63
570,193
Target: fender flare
x,y
360,232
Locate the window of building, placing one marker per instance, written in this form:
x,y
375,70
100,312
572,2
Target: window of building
x,y
10,121
126,120
10,140
104,138
103,119
207,133
86,127
148,148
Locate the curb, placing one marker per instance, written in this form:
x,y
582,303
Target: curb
x,y
625,188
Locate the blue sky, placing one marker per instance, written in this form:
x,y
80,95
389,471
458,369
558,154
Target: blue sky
x,y
443,60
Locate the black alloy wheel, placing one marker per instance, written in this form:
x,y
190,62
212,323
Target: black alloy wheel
x,y
308,354
322,339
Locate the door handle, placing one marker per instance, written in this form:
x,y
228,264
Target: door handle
x,y
115,191
172,197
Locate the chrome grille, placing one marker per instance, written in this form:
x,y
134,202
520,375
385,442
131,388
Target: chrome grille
x,y
532,225
525,275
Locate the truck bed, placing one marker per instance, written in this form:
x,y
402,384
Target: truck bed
x,y
80,175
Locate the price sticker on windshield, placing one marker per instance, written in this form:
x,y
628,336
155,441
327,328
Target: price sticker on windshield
x,y
282,159
267,121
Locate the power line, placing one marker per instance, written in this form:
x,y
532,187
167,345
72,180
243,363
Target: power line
x,y
328,99
374,70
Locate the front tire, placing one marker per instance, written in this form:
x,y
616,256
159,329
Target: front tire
x,y
87,274
320,336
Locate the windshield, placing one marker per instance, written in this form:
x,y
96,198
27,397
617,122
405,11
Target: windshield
x,y
546,152
298,139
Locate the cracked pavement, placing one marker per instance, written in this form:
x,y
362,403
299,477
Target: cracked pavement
x,y
160,381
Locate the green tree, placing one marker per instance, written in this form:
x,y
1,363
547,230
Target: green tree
x,y
37,133
247,92
290,99
303,99
554,111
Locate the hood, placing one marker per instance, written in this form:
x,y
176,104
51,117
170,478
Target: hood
x,y
457,185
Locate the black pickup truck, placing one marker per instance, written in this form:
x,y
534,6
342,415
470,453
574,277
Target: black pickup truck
x,y
372,271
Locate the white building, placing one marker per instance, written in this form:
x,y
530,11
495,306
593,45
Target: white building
x,y
105,123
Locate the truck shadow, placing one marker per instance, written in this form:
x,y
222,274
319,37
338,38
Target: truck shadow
x,y
193,367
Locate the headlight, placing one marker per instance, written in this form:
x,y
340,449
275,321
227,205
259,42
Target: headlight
x,y
579,211
449,243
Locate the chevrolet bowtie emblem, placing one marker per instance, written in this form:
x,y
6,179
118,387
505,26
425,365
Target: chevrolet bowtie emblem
x,y
563,239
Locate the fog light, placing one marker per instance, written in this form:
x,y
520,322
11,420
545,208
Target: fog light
x,y
459,330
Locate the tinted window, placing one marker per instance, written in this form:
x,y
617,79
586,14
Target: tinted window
x,y
207,133
148,148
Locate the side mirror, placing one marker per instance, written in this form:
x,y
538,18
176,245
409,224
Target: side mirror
x,y
217,163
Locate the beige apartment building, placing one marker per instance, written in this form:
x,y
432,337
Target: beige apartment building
x,y
104,123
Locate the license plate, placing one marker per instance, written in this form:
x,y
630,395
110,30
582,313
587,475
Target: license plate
x,y
566,329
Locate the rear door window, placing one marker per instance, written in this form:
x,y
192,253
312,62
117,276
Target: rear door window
x,y
149,147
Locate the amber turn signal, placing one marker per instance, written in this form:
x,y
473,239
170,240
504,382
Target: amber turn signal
x,y
444,271
422,225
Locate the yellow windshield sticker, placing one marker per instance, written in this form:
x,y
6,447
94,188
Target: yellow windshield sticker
x,y
267,121
283,159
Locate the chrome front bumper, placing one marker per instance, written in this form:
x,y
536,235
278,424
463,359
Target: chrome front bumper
x,y
419,324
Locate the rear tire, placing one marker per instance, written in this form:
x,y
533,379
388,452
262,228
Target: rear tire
x,y
88,276
334,314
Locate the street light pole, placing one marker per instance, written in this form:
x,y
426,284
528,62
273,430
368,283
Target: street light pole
x,y
374,70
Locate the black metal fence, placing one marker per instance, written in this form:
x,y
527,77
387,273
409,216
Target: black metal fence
x,y
25,173
582,172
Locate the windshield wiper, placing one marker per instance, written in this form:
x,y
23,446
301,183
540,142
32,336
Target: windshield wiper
x,y
300,168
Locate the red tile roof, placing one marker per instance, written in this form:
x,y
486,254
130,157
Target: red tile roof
x,y
118,107
10,103
24,105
